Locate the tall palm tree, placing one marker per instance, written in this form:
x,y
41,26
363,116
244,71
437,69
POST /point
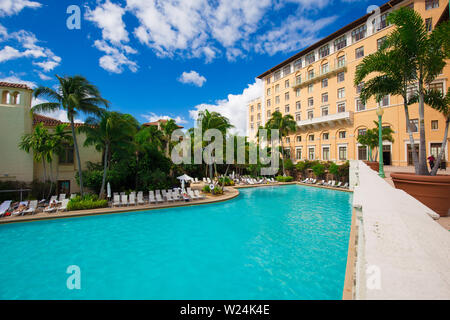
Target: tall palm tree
x,y
285,124
74,95
110,130
57,141
168,128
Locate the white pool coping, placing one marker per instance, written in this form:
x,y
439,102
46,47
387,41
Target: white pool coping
x,y
402,253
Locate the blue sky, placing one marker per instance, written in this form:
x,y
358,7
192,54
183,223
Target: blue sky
x,y
168,58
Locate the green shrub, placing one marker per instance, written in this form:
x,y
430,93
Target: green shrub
x,y
217,190
89,201
319,170
206,189
284,179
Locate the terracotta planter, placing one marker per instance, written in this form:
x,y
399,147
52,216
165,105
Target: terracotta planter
x,y
374,165
432,191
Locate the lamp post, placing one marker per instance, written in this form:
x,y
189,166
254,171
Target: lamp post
x,y
380,141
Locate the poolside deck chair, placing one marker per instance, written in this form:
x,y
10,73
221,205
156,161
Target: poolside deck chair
x,y
313,181
64,204
16,213
204,180
62,197
169,196
174,195
192,195
196,180
4,207
132,201
338,185
199,195
328,183
151,197
53,199
333,183
305,181
158,196
124,200
140,198
73,195
208,180
31,207
116,201
345,186
50,209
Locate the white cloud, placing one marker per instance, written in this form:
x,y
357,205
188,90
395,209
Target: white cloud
x,y
16,79
9,53
192,77
234,107
43,76
11,7
152,117
115,59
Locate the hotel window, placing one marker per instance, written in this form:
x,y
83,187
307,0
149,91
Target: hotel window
x,y
251,118
310,115
382,23
277,75
311,153
298,79
269,103
298,64
310,102
324,111
268,80
277,99
288,140
310,74
342,153
298,117
299,138
362,153
277,109
286,84
259,106
325,97
311,137
310,88
310,58
324,83
359,33
429,24
297,105
434,125
298,153
258,124
341,93
380,42
268,91
251,108
359,87
325,68
437,87
277,88
258,116
251,126
286,96
359,105
359,52
341,107
342,134
326,153
66,155
362,132
340,76
384,101
431,4
341,61
297,92
414,125
286,108
435,150
324,51
286,70
325,136
287,152
340,43
268,114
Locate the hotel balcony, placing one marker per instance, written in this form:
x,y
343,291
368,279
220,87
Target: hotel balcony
x,y
338,67
331,120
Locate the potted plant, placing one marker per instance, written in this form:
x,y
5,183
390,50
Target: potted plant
x,y
412,57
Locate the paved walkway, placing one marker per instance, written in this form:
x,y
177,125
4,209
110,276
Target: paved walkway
x,y
443,221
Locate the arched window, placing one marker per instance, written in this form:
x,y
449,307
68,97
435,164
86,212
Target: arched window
x,y
6,97
16,98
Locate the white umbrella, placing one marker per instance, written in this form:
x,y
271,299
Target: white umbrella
x,y
108,190
184,178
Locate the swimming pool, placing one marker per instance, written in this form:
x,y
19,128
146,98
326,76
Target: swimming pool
x,y
286,242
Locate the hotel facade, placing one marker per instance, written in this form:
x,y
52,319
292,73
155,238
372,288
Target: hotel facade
x,y
316,86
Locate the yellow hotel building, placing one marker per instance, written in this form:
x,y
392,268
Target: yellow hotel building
x,y
316,87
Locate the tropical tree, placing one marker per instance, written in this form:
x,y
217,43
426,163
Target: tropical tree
x,y
371,140
285,124
168,128
409,56
74,95
112,130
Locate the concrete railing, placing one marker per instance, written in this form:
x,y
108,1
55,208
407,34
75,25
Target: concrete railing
x,y
402,253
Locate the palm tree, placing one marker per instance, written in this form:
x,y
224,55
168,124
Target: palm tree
x,y
285,124
409,56
168,128
56,145
75,95
110,130
370,138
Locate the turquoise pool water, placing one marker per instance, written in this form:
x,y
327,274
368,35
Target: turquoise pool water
x,y
285,242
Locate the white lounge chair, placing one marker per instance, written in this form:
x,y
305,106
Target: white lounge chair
x,y
158,196
140,198
208,180
196,180
53,199
116,201
124,200
199,195
338,185
4,207
132,201
73,195
305,181
62,197
64,204
151,197
328,183
169,196
192,195
16,213
50,209
345,186
333,183
31,208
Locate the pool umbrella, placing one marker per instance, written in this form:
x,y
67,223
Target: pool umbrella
x,y
108,190
184,178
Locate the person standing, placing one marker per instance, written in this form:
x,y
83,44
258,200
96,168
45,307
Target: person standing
x,y
431,160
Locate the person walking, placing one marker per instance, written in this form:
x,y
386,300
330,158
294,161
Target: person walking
x,y
431,160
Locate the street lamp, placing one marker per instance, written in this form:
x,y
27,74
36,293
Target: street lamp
x,y
380,142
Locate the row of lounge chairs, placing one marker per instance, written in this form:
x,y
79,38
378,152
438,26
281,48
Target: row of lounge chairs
x,y
30,207
157,196
330,183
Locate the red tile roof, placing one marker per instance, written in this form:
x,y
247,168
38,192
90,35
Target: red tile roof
x,y
14,85
155,123
50,122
